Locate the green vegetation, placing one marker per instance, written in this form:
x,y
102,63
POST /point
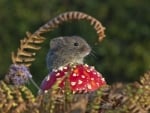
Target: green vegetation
x,y
122,56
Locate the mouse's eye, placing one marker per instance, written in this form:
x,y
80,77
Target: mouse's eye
x,y
76,44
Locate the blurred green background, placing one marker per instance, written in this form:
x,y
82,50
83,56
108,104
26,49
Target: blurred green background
x,y
124,54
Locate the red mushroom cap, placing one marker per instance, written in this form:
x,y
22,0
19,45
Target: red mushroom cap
x,y
81,78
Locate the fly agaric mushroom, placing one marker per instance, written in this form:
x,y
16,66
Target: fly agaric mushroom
x,y
81,78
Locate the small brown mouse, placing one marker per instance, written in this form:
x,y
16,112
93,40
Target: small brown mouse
x,y
66,50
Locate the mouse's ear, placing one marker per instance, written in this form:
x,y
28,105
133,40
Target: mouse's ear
x,y
57,42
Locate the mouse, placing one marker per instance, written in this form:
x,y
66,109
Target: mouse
x,y
66,50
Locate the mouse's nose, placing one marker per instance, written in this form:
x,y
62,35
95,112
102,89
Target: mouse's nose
x,y
87,50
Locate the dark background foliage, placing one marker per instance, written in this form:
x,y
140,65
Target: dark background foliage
x,y
124,54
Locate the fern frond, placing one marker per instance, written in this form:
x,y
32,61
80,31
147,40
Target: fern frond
x,y
27,51
31,43
73,15
126,98
16,99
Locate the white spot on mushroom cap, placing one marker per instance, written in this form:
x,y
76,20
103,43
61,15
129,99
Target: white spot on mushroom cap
x,y
58,74
92,78
77,89
92,68
94,73
88,70
80,81
60,68
65,67
74,74
74,66
47,78
73,83
89,86
86,65
98,74
103,79
97,83
82,76
83,88
55,70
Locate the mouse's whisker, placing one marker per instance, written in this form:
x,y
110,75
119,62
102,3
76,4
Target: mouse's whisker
x,y
93,53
